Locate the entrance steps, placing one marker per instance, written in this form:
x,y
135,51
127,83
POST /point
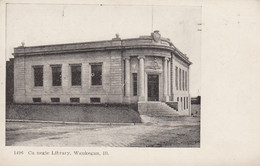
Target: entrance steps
x,y
158,109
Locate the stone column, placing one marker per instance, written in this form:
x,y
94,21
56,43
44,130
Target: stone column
x,y
141,78
188,84
127,78
165,82
169,78
173,78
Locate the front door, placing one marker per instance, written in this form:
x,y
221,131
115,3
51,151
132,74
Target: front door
x,y
153,87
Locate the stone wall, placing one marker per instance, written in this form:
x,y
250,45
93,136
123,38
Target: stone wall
x,y
110,91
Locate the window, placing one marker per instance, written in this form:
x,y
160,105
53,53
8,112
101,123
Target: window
x,y
186,81
38,75
177,98
95,100
74,100
56,75
37,100
181,104
55,100
187,100
96,74
75,75
134,84
176,77
184,102
180,78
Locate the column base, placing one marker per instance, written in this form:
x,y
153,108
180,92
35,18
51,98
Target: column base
x,y
126,99
141,98
166,98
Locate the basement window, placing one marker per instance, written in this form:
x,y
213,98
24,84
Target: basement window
x,y
55,100
37,100
95,100
74,100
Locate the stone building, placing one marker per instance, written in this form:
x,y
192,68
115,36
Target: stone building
x,y
148,69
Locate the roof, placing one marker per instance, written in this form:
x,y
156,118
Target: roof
x,y
114,44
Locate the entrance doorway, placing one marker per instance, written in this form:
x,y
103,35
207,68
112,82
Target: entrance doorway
x,y
153,87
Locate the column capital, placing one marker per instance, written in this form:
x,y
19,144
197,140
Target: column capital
x,y
141,57
126,57
166,58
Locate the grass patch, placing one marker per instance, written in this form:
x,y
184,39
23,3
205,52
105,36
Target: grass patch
x,y
113,113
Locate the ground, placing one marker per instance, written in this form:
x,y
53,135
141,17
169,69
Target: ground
x,y
179,131
112,113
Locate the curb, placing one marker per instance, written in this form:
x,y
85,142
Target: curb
x,y
70,123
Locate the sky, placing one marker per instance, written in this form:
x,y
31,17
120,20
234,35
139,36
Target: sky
x,y
54,24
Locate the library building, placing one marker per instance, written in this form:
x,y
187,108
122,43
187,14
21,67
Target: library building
x,y
148,70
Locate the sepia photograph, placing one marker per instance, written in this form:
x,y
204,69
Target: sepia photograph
x,y
116,82
103,75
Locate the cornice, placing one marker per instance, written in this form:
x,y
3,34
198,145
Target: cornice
x,y
68,48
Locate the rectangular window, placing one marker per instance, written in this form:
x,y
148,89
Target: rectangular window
x,y
55,100
134,84
74,100
56,75
75,75
176,77
96,74
95,100
37,100
180,79
184,102
181,104
186,81
124,78
187,100
38,75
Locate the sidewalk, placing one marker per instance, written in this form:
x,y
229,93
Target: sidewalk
x,y
154,132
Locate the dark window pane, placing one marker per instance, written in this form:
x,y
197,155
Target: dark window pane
x,y
37,100
38,76
96,74
74,100
56,100
134,84
184,102
186,81
176,77
180,78
187,100
75,75
95,100
56,76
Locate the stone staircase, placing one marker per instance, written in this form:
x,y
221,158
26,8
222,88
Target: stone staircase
x,y
157,109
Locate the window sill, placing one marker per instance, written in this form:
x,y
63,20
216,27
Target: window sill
x,y
38,88
96,86
76,86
